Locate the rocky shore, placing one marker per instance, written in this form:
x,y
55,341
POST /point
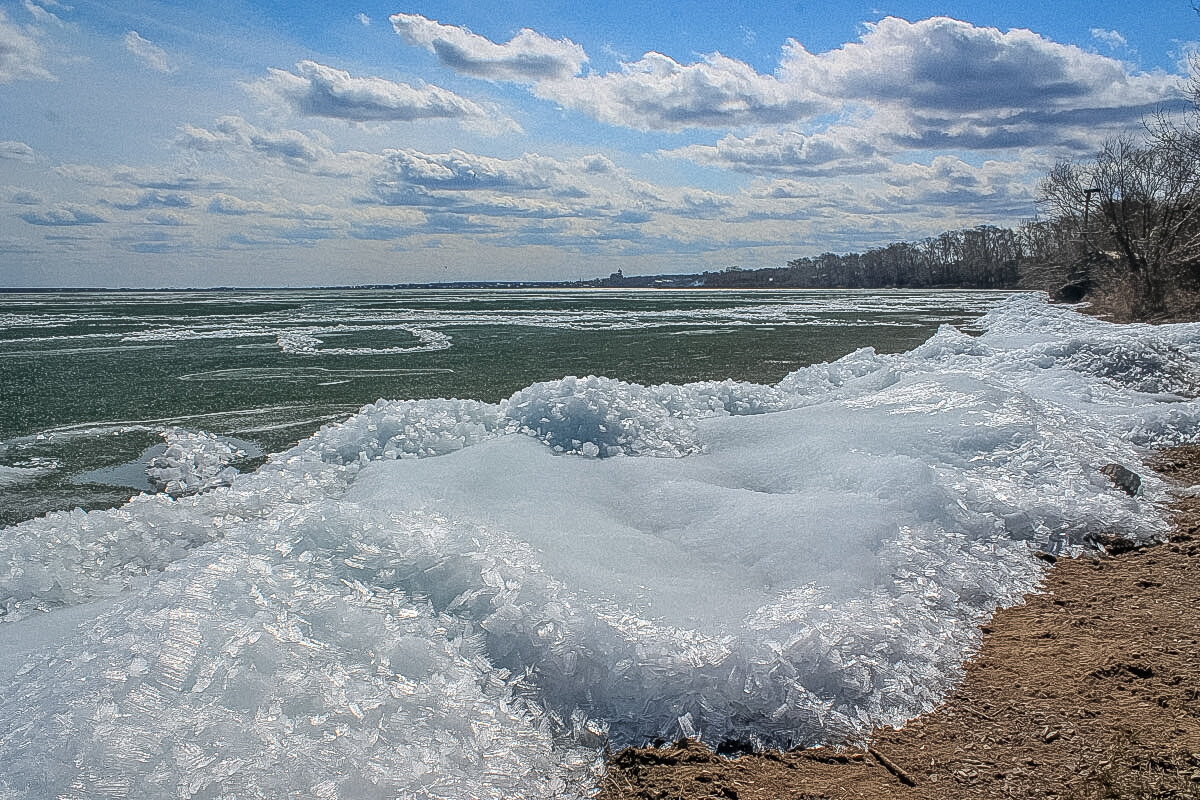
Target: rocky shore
x,y
1091,689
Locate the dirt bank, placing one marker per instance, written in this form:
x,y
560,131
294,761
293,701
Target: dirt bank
x,y
1091,689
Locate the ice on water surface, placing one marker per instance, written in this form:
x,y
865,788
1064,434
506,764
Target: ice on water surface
x,y
192,462
450,598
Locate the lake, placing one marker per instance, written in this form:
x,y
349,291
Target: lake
x,y
89,381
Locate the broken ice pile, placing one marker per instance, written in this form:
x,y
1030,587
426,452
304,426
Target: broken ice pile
x,y
446,598
193,461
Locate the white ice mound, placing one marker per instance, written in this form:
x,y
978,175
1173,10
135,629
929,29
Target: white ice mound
x,y
250,674
194,461
448,598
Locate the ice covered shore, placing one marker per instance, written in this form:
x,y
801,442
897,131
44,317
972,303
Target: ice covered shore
x,y
449,598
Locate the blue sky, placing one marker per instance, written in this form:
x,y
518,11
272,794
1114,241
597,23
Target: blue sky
x,y
234,143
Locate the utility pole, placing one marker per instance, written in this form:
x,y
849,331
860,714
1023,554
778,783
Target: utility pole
x,y
1087,204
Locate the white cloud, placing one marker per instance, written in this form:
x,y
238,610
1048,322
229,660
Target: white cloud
x,y
142,178
841,151
320,91
20,54
20,196
40,11
949,84
458,171
994,189
658,93
149,53
63,215
940,85
527,57
652,93
951,67
532,198
17,151
152,198
230,205
363,19
274,206
1113,39
167,219
303,152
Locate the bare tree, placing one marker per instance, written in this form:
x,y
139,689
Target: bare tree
x,y
1141,198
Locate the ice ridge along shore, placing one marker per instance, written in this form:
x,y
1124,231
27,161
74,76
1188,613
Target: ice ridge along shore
x,y
456,599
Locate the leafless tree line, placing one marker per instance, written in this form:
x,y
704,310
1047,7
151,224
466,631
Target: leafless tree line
x,y
1127,219
1137,201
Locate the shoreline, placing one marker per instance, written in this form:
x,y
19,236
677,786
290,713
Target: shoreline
x,y
1089,689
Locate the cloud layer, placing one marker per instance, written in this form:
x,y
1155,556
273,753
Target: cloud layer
x,y
661,162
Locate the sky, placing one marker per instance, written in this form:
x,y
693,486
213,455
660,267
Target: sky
x,y
231,143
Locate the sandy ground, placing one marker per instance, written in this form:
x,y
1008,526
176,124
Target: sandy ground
x,y
1091,689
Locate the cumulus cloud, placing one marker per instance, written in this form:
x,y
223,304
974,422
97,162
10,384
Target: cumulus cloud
x,y
20,54
290,146
940,85
154,198
301,151
658,93
363,19
1000,89
316,90
17,151
840,151
147,52
63,215
994,189
481,195
653,93
21,197
166,218
526,58
955,67
230,205
701,204
460,171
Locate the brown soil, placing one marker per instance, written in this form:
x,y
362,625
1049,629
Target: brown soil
x,y
1091,689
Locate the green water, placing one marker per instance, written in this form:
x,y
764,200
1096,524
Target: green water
x,y
89,381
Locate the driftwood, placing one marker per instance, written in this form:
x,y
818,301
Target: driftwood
x,y
892,767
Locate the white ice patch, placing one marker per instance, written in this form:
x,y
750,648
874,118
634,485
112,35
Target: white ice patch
x,y
308,341
442,598
194,461
14,475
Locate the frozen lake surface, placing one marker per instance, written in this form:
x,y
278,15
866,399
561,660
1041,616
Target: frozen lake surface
x,y
468,598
